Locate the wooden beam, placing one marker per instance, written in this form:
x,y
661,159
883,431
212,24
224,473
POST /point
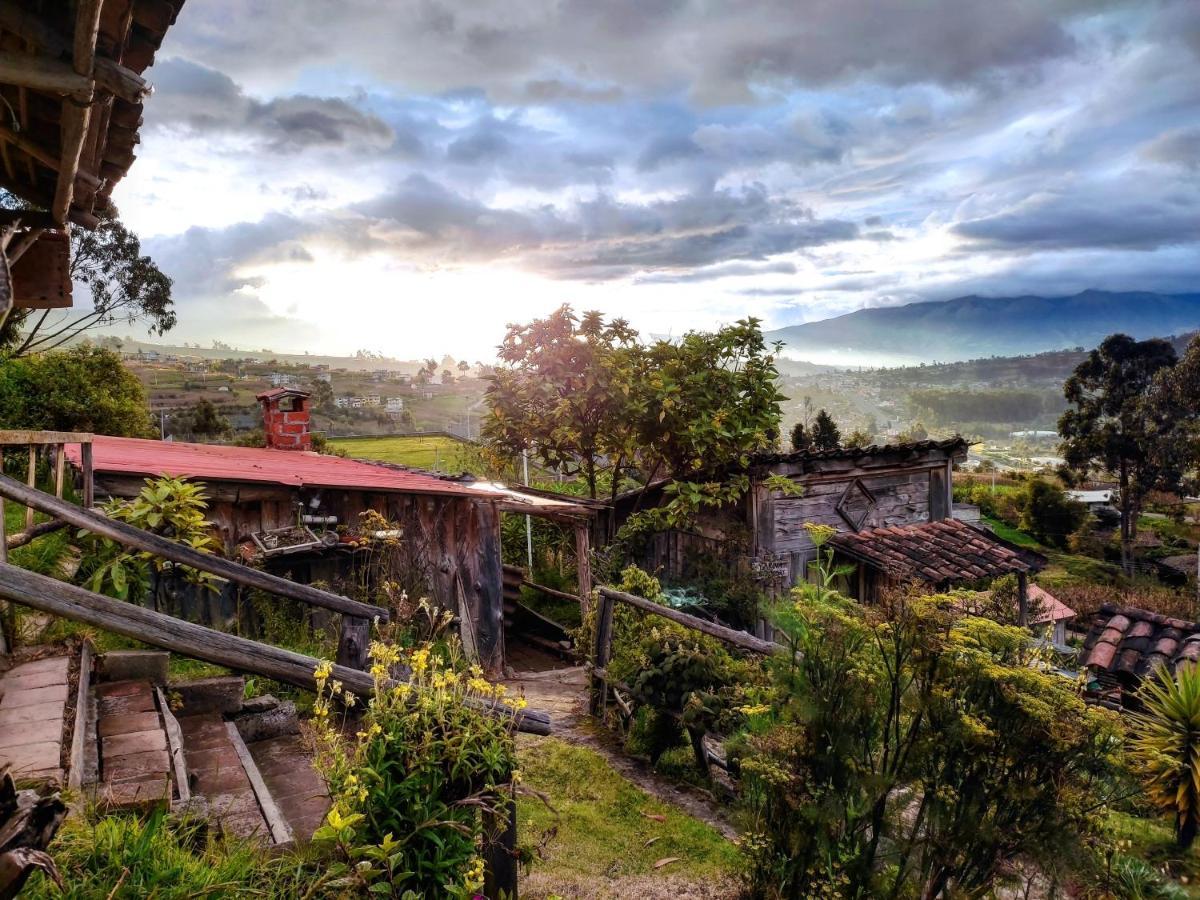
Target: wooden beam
x,y
86,180
729,635
21,538
241,654
79,735
75,116
23,436
160,546
42,73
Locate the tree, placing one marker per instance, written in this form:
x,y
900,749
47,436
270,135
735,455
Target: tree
x,y
322,396
80,389
825,433
1049,515
1166,746
1119,423
204,420
447,377
124,286
565,392
801,439
858,439
464,367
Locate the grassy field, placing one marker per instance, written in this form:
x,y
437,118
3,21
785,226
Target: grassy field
x,y
436,452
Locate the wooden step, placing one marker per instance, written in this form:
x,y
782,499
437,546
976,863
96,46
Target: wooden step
x,y
216,773
33,701
298,791
135,760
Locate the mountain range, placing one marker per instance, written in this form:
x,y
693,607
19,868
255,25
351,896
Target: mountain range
x,y
975,327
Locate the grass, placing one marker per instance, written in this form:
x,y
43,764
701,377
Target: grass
x,y
1006,532
418,451
601,821
1153,841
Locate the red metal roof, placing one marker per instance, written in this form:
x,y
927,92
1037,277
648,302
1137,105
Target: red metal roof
x,y
294,468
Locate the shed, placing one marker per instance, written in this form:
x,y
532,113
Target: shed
x,y
450,525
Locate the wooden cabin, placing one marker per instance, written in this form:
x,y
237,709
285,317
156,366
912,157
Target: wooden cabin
x,y
891,505
449,528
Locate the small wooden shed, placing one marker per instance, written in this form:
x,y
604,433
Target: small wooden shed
x,y
451,526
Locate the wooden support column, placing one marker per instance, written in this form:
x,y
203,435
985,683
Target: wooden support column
x,y
602,653
31,480
89,480
353,642
583,550
500,853
1022,599
76,115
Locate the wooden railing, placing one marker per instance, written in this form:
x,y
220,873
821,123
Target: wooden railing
x,y
602,651
33,442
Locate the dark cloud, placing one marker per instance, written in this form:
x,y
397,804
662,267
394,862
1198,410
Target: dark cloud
x,y
1179,147
208,101
1131,215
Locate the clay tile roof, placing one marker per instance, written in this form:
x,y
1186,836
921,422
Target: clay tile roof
x,y
952,446
936,552
1133,642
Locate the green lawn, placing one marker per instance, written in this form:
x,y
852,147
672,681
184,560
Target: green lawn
x,y
420,451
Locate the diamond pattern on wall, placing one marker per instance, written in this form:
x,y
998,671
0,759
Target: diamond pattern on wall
x,y
855,504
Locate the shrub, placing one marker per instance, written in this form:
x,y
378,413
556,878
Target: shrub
x,y
1166,746
1049,515
409,787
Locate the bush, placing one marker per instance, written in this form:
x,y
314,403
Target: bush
x,y
409,788
1049,515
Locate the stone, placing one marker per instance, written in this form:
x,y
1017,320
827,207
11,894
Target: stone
x,y
127,723
280,720
32,696
260,704
136,665
134,742
220,695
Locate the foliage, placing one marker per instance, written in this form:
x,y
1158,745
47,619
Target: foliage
x,y
914,750
825,433
122,284
408,790
81,389
801,439
1166,746
565,392
1125,418
202,420
1004,405
171,507
1049,515
858,439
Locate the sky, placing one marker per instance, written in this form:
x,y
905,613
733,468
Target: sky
x,y
410,177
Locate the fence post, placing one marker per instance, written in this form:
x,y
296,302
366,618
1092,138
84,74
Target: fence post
x,y
601,654
500,872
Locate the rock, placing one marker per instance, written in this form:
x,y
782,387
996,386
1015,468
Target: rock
x,y
260,704
271,723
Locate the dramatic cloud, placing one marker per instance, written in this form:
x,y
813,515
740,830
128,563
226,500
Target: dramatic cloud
x,y
677,162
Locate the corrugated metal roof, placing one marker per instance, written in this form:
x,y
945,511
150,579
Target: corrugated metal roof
x,y
293,468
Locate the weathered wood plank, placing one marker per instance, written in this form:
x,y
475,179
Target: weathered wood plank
x,y
126,534
728,635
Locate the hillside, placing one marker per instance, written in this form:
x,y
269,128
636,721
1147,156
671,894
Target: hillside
x,y
974,327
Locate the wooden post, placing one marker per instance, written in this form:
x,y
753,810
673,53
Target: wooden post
x,y
3,560
500,874
31,480
353,643
1022,599
601,654
583,563
85,460
60,468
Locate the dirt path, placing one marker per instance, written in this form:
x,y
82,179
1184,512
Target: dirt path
x,y
563,694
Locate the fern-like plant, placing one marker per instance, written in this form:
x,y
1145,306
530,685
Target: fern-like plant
x,y
1166,746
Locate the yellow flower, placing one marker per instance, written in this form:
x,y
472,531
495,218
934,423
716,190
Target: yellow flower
x,y
324,670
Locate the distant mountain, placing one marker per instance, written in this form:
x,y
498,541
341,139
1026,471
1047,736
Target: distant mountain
x,y
974,327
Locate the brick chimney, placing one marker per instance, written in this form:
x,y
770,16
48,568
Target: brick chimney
x,y
286,419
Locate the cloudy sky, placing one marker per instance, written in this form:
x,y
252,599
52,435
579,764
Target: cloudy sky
x,y
407,177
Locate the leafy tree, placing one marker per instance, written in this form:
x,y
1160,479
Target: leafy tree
x,y
565,392
1166,746
464,367
80,389
447,377
205,420
124,286
1049,514
801,439
322,396
912,750
858,439
825,432
1118,423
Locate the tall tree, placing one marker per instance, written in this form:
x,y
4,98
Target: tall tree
x,y
825,433
124,286
1118,424
205,420
801,439
565,393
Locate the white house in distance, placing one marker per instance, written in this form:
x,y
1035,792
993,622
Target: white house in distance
x,y
1092,499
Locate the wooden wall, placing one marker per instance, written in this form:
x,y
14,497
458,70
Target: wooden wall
x,y
455,540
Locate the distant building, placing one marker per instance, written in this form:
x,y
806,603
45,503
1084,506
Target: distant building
x,y
325,377
281,379
395,404
1092,499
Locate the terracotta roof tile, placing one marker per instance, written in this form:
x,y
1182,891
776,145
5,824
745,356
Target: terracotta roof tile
x,y
937,552
1133,642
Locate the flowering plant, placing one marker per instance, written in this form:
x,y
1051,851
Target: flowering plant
x,y
410,778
